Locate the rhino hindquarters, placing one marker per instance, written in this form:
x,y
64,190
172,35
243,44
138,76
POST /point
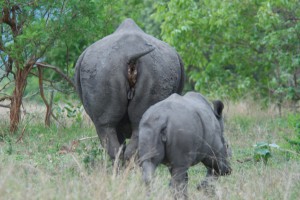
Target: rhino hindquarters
x,y
132,71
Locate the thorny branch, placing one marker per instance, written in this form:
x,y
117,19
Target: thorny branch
x,y
2,78
4,106
22,134
52,84
8,66
9,17
5,98
1,46
48,106
28,96
41,87
7,84
58,71
57,120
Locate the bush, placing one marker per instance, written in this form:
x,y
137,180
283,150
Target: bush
x,y
294,141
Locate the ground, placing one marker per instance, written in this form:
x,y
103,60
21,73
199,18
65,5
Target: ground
x,y
66,162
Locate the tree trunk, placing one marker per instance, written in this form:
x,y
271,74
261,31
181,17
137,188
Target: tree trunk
x,y
16,100
48,111
48,114
48,106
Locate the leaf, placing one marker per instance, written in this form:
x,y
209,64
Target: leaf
x,y
263,152
261,145
68,109
274,145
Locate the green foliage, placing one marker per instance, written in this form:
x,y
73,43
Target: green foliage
x,y
91,153
294,140
86,22
57,32
234,47
9,149
70,110
81,24
229,47
262,151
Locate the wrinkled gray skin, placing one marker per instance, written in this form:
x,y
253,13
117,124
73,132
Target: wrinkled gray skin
x,y
119,77
179,132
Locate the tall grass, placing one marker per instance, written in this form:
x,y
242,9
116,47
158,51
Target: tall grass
x,y
67,163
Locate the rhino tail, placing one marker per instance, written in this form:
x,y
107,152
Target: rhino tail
x,y
132,70
218,108
132,59
182,76
77,82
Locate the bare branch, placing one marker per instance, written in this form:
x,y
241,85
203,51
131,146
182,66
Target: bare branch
x,y
1,46
54,117
9,17
52,84
48,106
87,138
5,98
23,130
4,106
8,65
30,95
41,87
60,90
245,160
48,17
5,84
62,7
47,80
22,134
30,3
2,78
67,58
31,61
58,71
3,61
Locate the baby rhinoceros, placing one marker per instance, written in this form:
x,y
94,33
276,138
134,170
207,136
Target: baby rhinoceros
x,y
180,132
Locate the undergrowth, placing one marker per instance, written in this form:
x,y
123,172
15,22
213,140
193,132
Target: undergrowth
x,y
69,163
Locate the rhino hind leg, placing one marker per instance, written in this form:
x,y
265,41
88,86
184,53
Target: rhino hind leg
x,y
207,185
132,147
179,182
109,141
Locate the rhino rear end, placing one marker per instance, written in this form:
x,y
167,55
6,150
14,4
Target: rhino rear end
x,y
151,147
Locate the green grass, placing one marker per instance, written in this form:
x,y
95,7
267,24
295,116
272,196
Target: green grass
x,y
67,163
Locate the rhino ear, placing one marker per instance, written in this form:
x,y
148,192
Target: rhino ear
x,y
218,108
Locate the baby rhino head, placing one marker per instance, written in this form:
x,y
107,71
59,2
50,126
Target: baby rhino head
x,y
223,165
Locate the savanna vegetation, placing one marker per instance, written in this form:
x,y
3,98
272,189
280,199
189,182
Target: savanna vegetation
x,y
246,53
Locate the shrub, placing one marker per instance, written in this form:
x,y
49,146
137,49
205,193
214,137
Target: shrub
x,y
294,141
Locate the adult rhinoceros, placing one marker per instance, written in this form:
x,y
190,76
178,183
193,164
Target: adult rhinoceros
x,y
120,76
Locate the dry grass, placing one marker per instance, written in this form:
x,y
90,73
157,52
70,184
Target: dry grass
x,y
29,181
36,168
261,182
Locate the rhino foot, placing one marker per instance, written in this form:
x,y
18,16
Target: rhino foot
x,y
207,186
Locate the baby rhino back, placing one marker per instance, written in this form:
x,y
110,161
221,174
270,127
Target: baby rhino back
x,y
181,131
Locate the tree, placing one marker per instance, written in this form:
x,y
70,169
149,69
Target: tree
x,y
234,47
36,32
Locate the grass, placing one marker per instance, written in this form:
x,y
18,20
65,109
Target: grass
x,y
67,163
